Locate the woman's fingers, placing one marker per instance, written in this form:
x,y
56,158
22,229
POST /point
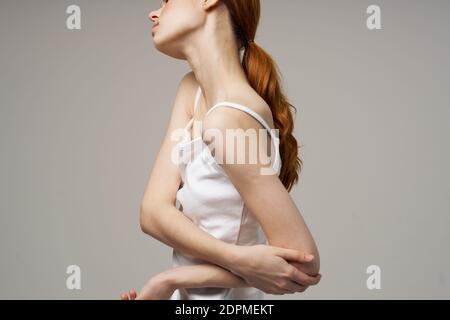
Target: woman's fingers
x,y
304,279
294,255
295,287
133,294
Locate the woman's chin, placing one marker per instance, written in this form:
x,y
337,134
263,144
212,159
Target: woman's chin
x,y
155,37
159,45
166,49
160,42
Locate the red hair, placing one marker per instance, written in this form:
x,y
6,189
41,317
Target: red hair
x,y
262,73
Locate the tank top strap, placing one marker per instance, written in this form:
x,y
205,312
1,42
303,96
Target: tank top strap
x,y
232,105
244,109
275,139
197,98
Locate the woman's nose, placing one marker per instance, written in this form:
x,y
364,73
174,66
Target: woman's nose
x,y
153,16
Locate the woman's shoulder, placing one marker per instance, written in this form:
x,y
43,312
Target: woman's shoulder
x,y
241,118
245,96
187,88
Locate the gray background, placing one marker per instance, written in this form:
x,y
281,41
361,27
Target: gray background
x,y
83,114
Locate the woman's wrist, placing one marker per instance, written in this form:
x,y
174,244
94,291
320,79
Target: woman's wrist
x,y
200,276
232,258
169,278
179,277
224,255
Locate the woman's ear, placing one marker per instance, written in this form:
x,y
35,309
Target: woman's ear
x,y
209,4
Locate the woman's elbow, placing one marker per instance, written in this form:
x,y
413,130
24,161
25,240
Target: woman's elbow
x,y
311,268
315,264
145,220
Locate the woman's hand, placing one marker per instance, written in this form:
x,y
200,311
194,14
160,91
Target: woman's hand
x,y
159,287
267,268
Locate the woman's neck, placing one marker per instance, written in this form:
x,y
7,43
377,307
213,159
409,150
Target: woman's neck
x,y
217,68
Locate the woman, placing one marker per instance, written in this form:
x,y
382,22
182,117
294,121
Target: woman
x,y
236,232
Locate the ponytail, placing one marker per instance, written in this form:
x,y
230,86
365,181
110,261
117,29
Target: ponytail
x,y
263,76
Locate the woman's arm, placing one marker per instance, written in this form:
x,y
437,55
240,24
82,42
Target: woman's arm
x,y
203,276
162,286
264,194
159,216
208,275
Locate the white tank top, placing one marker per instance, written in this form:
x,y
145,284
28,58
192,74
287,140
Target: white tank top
x,y
209,199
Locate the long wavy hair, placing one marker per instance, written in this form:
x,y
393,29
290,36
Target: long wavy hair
x,y
263,75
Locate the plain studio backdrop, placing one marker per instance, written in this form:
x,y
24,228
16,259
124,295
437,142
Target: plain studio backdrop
x,y
83,113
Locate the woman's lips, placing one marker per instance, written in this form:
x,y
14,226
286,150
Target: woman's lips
x,y
154,29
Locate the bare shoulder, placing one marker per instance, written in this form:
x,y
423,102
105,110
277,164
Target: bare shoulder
x,y
186,91
223,118
218,123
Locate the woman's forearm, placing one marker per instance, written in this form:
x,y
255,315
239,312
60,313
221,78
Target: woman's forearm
x,y
170,226
203,276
